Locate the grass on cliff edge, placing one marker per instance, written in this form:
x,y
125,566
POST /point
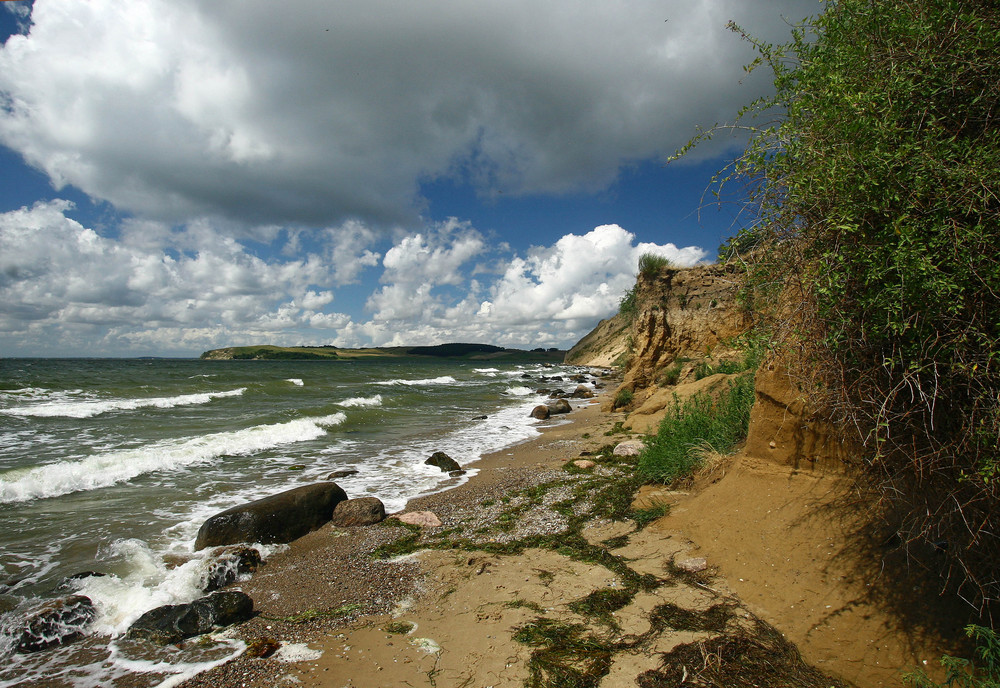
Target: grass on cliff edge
x,y
701,421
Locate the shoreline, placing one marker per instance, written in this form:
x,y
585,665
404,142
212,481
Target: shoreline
x,y
327,580
527,545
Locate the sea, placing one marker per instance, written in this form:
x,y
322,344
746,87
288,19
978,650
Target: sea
x,y
110,466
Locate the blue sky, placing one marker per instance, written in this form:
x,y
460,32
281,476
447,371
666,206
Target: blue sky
x,y
180,176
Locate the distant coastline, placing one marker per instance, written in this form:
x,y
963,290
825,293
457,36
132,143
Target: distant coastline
x,y
460,351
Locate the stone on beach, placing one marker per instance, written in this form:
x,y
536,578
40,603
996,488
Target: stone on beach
x,y
540,412
629,448
694,565
443,461
277,519
560,406
230,564
424,519
174,622
363,511
55,623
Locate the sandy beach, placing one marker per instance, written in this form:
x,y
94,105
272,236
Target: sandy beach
x,y
540,576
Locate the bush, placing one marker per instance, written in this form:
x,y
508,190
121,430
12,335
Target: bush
x,y
701,421
963,673
623,398
651,264
629,304
877,195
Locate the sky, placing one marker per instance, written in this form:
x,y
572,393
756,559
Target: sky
x,y
179,175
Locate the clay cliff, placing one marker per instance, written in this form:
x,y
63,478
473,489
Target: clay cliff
x,y
681,339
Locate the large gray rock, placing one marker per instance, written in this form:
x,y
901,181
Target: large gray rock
x,y
279,518
56,622
363,511
174,622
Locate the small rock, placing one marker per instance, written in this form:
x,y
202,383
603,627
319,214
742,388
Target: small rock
x,y
443,461
424,519
584,463
342,473
629,448
480,417
232,563
695,565
262,647
363,511
772,445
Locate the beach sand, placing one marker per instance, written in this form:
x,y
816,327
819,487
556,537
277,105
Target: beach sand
x,y
465,605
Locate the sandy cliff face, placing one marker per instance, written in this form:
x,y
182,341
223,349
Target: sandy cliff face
x,y
686,319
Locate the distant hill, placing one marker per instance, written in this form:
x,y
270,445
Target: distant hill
x,y
460,351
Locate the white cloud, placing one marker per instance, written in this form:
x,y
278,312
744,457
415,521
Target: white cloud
x,y
65,289
317,112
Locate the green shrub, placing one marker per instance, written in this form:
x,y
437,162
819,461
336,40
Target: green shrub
x,y
629,304
701,421
670,375
651,264
964,673
875,191
623,398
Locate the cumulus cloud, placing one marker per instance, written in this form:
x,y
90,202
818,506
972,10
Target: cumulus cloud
x,y
318,112
66,289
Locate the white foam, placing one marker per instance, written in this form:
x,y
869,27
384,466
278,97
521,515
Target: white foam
x,y
103,470
362,401
486,371
519,391
443,380
88,409
295,381
296,652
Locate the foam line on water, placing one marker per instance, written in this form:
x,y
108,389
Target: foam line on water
x,y
365,402
109,468
88,409
443,380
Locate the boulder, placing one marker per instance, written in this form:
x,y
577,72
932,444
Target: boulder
x,y
56,622
363,511
582,392
230,565
560,406
343,473
279,518
443,461
584,463
174,622
540,412
424,519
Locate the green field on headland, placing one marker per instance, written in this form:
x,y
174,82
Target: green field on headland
x,y
470,352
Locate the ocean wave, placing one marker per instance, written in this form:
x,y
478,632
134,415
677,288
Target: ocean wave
x,y
443,380
88,409
519,391
366,402
486,370
295,381
109,468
